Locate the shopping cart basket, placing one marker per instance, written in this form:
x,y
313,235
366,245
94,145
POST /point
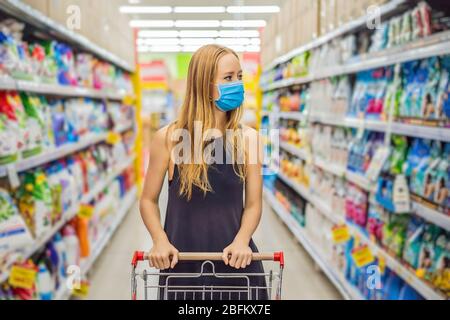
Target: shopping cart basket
x,y
170,289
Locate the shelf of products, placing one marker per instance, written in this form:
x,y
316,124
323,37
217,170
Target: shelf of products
x,y
72,212
60,90
302,154
431,46
355,24
408,275
343,286
23,12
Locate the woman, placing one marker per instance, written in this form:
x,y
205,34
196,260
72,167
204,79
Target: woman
x,y
206,210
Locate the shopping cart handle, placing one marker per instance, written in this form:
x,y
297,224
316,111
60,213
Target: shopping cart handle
x,y
203,256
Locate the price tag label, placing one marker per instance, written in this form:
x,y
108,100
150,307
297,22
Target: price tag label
x,y
382,264
83,291
362,256
86,211
377,163
128,100
23,278
340,234
113,138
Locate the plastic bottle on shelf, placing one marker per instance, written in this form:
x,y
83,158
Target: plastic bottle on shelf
x,y
72,246
45,283
61,249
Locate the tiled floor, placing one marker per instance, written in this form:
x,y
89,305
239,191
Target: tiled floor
x,y
110,277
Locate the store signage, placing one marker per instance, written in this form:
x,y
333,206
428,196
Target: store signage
x,y
23,278
340,234
362,256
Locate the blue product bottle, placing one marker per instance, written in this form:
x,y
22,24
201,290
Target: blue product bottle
x,y
45,285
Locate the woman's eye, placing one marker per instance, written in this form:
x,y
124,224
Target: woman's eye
x,y
229,78
240,77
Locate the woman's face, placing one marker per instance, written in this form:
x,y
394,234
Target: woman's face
x,y
228,70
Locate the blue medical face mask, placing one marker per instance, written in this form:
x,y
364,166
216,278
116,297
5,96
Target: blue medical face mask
x,y
231,96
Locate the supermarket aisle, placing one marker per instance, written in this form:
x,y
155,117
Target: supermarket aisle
x,y
110,278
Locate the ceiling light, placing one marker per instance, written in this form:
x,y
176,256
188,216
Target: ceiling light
x,y
243,23
161,41
253,49
191,48
239,33
253,9
238,48
158,34
143,48
196,41
199,9
197,23
199,34
151,23
134,1
165,49
142,9
233,41
255,41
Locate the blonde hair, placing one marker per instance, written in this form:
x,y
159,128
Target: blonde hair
x,y
198,105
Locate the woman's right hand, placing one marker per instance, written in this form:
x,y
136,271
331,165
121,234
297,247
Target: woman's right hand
x,y
163,255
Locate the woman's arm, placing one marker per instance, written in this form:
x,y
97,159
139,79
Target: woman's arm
x,y
162,250
241,253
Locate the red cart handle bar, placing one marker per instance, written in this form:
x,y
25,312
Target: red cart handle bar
x,y
203,256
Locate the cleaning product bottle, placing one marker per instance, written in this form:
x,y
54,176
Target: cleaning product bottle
x,y
45,284
72,246
60,247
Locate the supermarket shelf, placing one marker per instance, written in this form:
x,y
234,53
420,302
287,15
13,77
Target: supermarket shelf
x,y
360,181
436,217
355,24
294,150
409,276
57,153
426,132
329,167
434,45
24,12
299,116
301,190
104,183
126,204
60,90
347,290
71,213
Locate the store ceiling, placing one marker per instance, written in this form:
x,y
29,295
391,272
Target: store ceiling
x,y
202,3
162,17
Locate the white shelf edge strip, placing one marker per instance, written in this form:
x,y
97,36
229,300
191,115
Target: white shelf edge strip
x,y
59,90
428,48
426,132
393,263
345,288
60,152
63,293
24,12
70,214
294,115
294,150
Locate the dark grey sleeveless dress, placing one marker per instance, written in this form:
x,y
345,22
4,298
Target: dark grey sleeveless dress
x,y
209,223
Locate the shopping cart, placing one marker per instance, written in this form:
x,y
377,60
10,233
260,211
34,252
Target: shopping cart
x,y
169,288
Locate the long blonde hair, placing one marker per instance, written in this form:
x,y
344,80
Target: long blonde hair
x,y
199,105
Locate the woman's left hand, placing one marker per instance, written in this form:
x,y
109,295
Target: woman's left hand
x,y
241,255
